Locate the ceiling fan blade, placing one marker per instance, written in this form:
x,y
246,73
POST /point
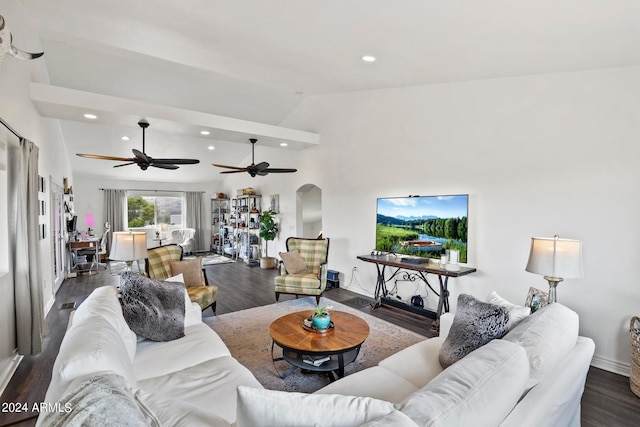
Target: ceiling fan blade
x,y
280,170
163,166
100,157
261,166
175,161
238,171
230,167
262,173
124,164
141,156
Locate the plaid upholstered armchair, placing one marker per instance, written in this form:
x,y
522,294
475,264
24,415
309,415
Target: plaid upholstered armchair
x,y
303,268
166,261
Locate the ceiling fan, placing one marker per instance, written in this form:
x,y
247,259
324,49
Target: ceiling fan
x,y
141,159
261,168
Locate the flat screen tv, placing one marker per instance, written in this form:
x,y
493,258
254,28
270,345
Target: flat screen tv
x,y
424,226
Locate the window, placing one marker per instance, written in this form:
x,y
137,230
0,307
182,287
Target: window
x,y
154,210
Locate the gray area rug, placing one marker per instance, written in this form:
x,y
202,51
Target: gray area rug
x,y
246,333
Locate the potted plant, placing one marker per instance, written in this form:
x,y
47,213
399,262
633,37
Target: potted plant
x,y
268,231
321,318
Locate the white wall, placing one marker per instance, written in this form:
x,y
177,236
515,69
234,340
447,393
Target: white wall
x,y
17,109
538,156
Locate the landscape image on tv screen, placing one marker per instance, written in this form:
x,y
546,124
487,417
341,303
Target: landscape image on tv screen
x,y
423,226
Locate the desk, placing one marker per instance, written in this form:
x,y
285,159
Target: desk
x,y
416,271
72,255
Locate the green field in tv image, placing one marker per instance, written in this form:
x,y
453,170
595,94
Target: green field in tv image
x,y
423,226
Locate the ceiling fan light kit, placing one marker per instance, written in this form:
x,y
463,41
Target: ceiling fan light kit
x,y
141,158
261,168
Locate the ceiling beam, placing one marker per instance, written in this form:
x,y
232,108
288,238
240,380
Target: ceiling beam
x,y
70,104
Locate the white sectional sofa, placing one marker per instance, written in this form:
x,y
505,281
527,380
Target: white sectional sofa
x,y
533,376
188,381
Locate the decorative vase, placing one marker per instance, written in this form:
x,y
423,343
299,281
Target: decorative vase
x,y
321,322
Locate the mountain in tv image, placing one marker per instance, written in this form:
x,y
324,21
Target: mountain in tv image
x,y
422,226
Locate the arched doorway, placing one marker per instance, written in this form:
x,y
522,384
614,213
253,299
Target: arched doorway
x,y
309,211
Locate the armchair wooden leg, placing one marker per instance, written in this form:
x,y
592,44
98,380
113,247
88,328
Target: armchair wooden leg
x,y
213,306
318,299
277,296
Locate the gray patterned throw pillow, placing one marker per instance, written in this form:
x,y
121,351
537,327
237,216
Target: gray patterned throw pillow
x,y
474,324
153,309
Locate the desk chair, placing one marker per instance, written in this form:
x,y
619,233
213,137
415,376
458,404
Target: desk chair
x,y
102,245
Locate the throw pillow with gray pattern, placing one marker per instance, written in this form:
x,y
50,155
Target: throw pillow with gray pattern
x,y
153,309
474,324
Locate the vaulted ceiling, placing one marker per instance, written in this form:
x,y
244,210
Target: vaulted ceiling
x,y
238,68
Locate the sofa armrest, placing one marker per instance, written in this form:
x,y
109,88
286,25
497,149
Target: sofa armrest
x,y
198,311
446,319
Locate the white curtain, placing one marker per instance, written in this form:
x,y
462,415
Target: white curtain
x,y
24,245
194,217
115,203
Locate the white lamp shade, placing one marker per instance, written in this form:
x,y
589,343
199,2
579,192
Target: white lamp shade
x,y
555,257
128,246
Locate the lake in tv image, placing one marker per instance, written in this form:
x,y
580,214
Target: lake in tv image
x,y
422,225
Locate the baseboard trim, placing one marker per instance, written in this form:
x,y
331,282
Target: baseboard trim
x,y
611,366
48,306
7,373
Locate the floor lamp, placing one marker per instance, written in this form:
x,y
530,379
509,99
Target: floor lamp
x,y
556,259
128,246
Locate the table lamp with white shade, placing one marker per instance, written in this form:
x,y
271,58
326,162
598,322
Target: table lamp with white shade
x,y
556,259
128,246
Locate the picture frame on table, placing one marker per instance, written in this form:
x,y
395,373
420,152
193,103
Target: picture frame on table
x,y
536,299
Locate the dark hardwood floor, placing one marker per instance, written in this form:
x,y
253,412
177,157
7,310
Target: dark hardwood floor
x,y
607,401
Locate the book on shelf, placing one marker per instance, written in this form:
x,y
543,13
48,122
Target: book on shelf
x,y
315,360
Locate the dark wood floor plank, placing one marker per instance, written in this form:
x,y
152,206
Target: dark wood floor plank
x,y
607,401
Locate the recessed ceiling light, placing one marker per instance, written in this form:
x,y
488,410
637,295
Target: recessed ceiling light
x,y
369,58
125,138
204,132
211,147
283,144
90,116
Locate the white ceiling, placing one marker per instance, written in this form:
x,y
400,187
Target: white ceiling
x,y
184,64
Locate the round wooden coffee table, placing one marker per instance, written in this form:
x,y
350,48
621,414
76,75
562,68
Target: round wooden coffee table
x,y
341,344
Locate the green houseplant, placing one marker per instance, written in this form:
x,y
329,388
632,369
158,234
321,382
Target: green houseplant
x,y
321,319
268,232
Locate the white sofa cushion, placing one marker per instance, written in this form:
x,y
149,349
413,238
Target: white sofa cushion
x,y
376,382
176,412
199,344
547,336
516,312
210,386
103,301
418,363
260,407
479,390
91,346
191,316
394,419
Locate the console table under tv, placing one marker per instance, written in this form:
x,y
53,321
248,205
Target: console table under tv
x,y
414,270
